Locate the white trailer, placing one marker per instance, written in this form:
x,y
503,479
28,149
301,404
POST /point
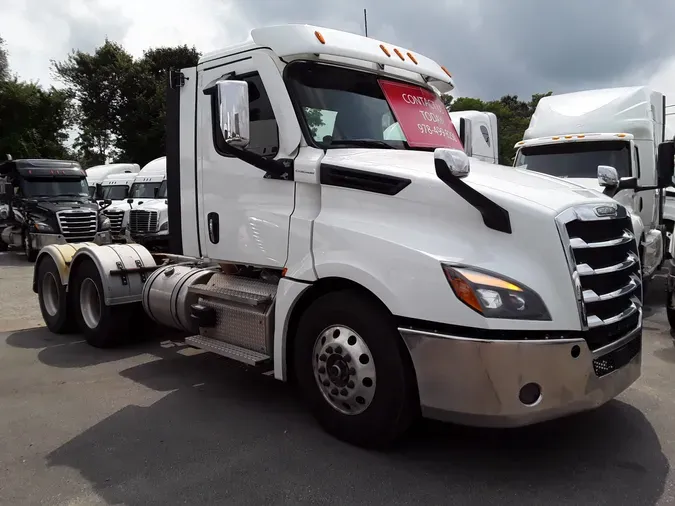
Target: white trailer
x,y
571,134
389,278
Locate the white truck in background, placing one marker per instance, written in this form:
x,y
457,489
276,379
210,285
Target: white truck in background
x,y
389,278
112,196
97,173
480,135
620,129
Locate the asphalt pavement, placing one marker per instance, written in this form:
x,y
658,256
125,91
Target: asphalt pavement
x,y
161,423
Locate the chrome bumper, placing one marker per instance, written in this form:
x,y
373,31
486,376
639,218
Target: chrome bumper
x,y
39,241
478,382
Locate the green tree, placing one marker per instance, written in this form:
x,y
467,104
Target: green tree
x,y
96,83
4,64
141,132
33,122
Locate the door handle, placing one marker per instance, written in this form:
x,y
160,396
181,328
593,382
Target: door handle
x,y
214,227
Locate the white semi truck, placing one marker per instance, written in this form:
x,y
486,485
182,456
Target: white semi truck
x,y
570,135
97,173
479,135
388,278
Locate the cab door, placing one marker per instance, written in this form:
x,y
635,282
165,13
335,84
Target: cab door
x,y
245,216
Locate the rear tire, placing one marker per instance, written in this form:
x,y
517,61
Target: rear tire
x,y
103,326
361,390
53,298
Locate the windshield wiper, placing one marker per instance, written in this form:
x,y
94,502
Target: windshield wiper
x,y
362,143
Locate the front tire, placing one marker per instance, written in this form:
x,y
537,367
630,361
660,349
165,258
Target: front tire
x,y
103,326
53,298
354,370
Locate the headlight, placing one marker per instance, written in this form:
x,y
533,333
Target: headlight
x,y
164,226
42,227
105,223
495,296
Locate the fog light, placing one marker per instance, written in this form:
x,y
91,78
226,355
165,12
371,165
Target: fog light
x,y
530,394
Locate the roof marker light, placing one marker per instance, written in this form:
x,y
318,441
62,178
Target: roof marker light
x,y
384,49
320,37
555,138
412,58
621,135
581,136
446,71
398,53
568,137
520,143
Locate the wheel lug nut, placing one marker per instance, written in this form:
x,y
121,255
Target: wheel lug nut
x,y
350,384
326,383
338,350
322,370
352,371
322,358
334,391
348,358
344,392
329,350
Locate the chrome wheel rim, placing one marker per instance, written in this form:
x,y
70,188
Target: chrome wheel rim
x,y
90,303
50,294
344,370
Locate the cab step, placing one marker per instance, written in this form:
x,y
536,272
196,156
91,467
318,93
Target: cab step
x,y
231,351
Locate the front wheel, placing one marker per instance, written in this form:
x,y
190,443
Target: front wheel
x,y
354,370
103,326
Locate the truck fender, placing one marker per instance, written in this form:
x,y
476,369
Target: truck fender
x,y
62,254
123,269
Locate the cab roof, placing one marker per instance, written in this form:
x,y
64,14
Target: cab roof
x,y
39,167
295,40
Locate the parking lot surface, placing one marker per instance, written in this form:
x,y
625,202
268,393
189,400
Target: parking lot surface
x,y
161,423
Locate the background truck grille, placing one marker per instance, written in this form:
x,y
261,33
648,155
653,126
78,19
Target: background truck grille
x,y
604,257
116,218
142,221
78,225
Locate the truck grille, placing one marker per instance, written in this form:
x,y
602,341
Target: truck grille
x,y
116,218
605,266
142,221
78,224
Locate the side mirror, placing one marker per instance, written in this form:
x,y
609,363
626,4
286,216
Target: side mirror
x,y
233,112
665,163
155,192
466,136
107,202
130,201
451,162
98,194
6,192
608,176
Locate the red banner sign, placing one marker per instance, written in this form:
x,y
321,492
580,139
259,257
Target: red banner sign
x,y
422,116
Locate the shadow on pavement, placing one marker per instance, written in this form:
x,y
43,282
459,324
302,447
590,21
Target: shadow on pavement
x,y
224,435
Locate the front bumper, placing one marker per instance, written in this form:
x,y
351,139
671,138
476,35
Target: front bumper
x,y
478,382
39,241
150,239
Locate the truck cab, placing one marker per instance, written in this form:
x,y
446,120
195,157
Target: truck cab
x,y
479,133
98,173
49,204
112,195
327,226
571,135
148,217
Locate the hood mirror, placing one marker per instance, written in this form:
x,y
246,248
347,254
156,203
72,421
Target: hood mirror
x,y
608,178
451,162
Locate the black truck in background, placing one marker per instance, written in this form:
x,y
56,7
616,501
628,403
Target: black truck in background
x,y
47,202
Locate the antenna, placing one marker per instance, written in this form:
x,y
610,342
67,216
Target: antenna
x,y
365,21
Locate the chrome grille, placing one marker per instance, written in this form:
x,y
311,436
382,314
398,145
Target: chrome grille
x,y
142,221
605,266
78,224
116,218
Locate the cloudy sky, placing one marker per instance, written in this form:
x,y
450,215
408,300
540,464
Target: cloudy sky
x,y
492,47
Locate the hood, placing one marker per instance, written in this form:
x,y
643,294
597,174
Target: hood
x,y
51,206
153,205
504,184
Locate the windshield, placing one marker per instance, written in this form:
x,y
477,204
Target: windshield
x,y
576,159
50,187
92,192
162,190
115,192
144,190
347,108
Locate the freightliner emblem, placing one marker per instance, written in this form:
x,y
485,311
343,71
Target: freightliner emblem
x,y
605,211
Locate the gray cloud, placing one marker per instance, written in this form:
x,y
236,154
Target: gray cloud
x,y
509,47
